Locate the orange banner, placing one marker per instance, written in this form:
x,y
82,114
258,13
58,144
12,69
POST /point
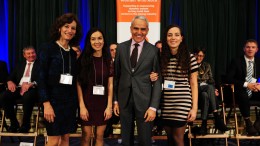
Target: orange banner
x,y
127,9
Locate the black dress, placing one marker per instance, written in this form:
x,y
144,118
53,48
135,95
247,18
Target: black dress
x,y
96,104
62,97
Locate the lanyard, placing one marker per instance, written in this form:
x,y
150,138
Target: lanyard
x,y
96,72
63,62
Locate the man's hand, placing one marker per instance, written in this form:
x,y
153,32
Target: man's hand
x,y
258,86
149,115
49,114
116,109
153,76
25,87
11,86
253,87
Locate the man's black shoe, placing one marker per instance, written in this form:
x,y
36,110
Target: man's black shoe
x,y
257,124
251,131
24,129
203,130
13,129
220,125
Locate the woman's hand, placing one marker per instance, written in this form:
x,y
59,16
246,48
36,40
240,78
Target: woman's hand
x,y
49,114
84,115
108,113
192,115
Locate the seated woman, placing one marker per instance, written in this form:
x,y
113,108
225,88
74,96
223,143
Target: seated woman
x,y
207,97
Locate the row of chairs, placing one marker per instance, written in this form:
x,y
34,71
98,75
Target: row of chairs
x,y
228,103
4,132
36,129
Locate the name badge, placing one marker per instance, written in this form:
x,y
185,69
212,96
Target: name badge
x,y
203,83
66,79
169,84
98,90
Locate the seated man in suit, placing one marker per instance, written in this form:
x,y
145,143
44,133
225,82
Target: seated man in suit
x,y
3,75
243,73
21,85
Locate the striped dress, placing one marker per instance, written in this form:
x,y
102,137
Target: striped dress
x,y
176,103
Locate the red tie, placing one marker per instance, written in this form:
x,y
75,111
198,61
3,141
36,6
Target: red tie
x,y
27,73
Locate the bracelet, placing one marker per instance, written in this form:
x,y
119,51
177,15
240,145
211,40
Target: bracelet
x,y
109,108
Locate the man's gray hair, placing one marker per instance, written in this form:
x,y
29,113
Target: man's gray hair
x,y
140,17
27,48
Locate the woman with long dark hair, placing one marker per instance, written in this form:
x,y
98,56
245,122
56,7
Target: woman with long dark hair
x,y
95,86
179,101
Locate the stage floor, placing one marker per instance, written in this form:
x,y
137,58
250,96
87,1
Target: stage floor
x,y
6,141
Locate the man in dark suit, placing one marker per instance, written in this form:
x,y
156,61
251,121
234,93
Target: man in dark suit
x,y
21,85
3,75
135,96
245,81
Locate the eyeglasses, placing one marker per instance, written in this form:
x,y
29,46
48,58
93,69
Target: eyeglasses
x,y
200,55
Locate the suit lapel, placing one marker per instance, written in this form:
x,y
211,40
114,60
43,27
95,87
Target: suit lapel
x,y
21,70
127,55
243,64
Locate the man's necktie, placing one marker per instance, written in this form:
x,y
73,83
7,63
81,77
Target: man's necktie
x,y
134,55
27,73
249,76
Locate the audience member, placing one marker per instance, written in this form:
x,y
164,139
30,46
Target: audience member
x,y
77,50
135,96
243,73
112,49
158,44
207,98
22,85
3,76
95,87
57,79
114,119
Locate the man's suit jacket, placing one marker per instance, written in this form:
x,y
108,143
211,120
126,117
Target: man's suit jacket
x,y
238,70
3,72
18,71
137,84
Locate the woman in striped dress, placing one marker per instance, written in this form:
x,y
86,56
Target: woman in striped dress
x,y
179,102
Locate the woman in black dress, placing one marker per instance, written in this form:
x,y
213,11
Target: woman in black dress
x,y
57,79
95,86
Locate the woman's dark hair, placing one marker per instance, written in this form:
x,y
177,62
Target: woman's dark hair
x,y
183,55
86,58
61,21
198,49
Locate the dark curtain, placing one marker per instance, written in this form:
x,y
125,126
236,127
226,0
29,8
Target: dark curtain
x,y
29,23
103,15
222,26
